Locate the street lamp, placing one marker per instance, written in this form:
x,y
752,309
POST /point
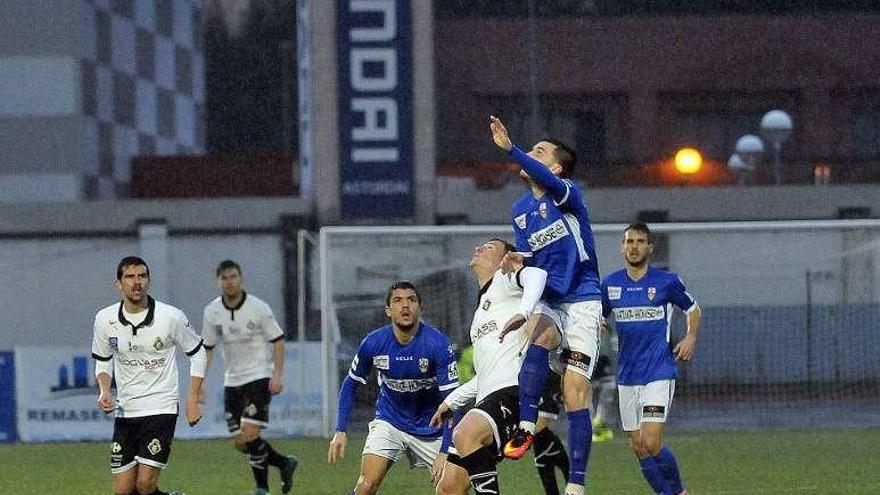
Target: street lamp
x,y
739,167
776,127
749,149
688,161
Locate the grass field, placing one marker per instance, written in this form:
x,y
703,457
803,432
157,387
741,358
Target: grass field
x,y
766,462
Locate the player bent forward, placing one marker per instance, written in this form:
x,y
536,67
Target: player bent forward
x,y
417,369
141,336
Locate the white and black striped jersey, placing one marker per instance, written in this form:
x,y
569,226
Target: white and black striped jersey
x,y
246,332
144,355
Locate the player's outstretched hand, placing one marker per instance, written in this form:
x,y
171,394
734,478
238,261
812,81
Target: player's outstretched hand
x,y
193,411
337,447
442,413
513,324
684,350
499,133
511,262
437,468
105,402
276,385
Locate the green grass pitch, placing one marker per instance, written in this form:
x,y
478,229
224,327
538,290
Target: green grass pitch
x,y
765,462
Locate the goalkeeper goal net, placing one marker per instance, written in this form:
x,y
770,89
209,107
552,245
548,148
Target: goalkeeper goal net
x,y
790,335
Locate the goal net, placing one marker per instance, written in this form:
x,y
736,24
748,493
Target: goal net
x,y
789,338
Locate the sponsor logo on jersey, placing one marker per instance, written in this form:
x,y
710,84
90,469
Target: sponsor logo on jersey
x,y
548,235
158,344
423,365
155,446
652,293
409,385
114,343
381,362
614,292
484,329
542,209
147,364
486,305
520,221
452,371
639,313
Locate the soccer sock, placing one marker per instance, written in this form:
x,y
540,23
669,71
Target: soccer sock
x,y
273,457
532,380
481,468
257,455
550,454
580,438
655,477
669,467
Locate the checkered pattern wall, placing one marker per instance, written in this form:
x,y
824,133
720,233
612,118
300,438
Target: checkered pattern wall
x,y
143,84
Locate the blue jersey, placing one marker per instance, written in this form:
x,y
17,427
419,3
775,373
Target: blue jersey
x,y
413,378
642,312
554,232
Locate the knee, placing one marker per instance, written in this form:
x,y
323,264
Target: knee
x,y
239,444
447,488
146,487
548,338
652,446
638,449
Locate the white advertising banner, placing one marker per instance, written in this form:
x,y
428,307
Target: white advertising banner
x,y
56,393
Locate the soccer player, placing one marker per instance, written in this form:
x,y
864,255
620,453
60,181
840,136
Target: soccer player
x,y
640,297
416,369
253,349
506,302
141,337
552,229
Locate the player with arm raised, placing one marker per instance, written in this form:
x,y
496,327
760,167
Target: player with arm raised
x,y
253,350
136,340
640,298
506,301
552,229
416,370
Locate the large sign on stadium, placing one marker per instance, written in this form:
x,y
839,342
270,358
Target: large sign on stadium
x,y
374,40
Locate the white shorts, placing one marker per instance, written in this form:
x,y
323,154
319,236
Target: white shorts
x,y
384,440
645,403
579,326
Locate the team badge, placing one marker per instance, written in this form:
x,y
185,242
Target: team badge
x,y
652,292
116,448
520,221
423,365
158,344
155,446
486,305
114,343
250,410
251,325
542,210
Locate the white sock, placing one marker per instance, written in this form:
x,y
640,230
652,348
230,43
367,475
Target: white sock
x,y
528,426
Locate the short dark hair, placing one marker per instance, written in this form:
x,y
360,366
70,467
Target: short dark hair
x,y
640,227
508,247
565,155
130,261
226,265
401,284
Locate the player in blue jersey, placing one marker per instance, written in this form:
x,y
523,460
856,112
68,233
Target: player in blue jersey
x,y
552,230
640,298
416,368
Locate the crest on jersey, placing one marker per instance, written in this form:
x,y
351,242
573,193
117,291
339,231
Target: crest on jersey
x,y
423,365
614,292
158,344
520,221
155,446
542,209
251,325
486,305
114,343
652,293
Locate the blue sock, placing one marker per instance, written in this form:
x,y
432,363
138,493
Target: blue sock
x,y
580,439
655,477
532,380
669,467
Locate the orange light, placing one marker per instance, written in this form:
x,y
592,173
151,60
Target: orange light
x,y
688,161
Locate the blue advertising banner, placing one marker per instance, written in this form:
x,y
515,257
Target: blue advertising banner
x,y
7,397
374,39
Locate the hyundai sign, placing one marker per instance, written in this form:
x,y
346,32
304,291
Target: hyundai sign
x,y
375,108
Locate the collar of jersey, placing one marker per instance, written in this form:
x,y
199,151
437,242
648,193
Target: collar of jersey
x,y
151,310
238,306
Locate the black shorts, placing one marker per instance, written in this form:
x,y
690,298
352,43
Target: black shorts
x,y
501,408
144,440
248,403
551,398
604,367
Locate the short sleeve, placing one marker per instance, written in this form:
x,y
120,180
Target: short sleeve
x,y
102,350
361,364
447,366
184,335
679,295
209,330
606,302
270,326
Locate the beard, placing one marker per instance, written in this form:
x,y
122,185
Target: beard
x,y
637,262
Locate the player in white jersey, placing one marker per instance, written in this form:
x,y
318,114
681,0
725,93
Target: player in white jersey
x,y
253,349
136,340
640,297
506,301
